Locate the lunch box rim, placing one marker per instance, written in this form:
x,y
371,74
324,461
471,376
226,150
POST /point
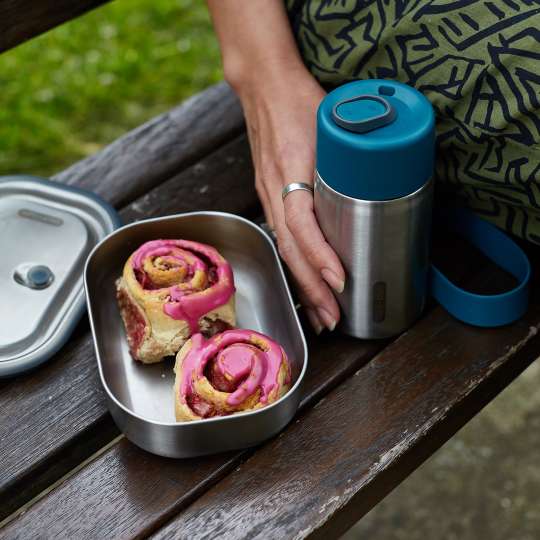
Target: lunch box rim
x,y
206,421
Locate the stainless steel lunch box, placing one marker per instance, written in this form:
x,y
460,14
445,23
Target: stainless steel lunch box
x,y
140,397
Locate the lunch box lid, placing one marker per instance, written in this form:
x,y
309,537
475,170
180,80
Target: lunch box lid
x,y
375,140
47,230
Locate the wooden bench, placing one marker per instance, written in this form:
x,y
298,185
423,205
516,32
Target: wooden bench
x,y
371,411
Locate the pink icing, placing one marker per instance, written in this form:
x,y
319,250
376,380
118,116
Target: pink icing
x,y
247,357
235,361
187,303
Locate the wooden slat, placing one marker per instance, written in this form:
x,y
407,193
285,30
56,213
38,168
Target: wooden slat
x,y
128,493
332,360
347,453
21,20
46,413
157,150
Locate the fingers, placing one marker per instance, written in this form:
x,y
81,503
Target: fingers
x,y
315,292
305,264
262,193
314,320
292,254
314,273
301,221
312,288
311,314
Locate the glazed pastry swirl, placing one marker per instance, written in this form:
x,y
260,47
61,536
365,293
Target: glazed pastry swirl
x,y
177,269
235,371
176,288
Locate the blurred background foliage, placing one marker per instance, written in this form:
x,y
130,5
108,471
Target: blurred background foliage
x,y
71,91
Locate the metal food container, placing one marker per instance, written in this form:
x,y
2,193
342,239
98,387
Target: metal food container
x,y
141,397
47,230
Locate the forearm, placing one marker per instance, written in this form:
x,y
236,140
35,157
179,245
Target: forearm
x,y
256,40
280,98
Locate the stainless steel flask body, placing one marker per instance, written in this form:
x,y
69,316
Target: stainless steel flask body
x,y
384,247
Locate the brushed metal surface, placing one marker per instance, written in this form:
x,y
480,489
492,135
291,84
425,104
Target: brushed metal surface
x,y
51,228
384,247
140,397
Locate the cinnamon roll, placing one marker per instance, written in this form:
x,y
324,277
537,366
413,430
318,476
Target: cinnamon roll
x,y
171,289
231,372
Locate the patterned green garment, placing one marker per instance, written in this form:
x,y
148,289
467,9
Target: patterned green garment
x,y
479,64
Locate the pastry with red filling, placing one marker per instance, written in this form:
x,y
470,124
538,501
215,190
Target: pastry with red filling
x,y
231,372
170,290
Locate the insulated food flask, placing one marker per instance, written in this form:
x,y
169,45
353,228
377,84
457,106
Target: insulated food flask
x,y
373,200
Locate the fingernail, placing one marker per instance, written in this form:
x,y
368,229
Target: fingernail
x,y
333,280
314,320
327,319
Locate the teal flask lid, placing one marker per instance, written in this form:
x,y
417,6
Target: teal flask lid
x,y
375,140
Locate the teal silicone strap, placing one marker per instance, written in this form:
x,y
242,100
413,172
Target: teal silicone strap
x,y
476,309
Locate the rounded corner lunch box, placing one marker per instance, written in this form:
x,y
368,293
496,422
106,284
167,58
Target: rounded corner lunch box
x,y
140,397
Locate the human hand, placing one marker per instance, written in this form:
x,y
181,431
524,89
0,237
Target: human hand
x,y
281,115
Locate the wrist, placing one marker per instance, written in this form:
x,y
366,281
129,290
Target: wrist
x,y
266,76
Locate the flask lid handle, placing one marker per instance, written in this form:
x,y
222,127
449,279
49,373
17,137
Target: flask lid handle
x,y
369,123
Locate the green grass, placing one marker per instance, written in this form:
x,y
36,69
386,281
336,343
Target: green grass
x,y
67,93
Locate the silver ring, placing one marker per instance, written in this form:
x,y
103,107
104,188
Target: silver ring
x,y
293,186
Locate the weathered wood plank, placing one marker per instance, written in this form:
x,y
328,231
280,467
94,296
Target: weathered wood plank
x,y
21,20
155,151
127,492
46,413
222,181
368,434
332,360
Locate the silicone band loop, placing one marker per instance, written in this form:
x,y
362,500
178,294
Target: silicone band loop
x,y
476,309
363,126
